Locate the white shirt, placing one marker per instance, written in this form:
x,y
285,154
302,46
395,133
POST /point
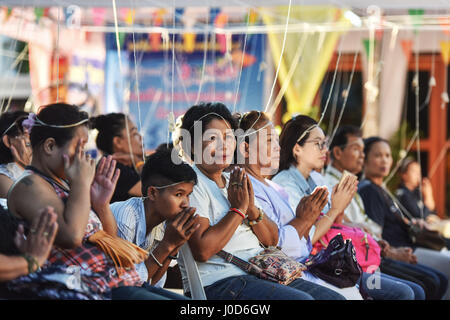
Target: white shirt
x,y
212,203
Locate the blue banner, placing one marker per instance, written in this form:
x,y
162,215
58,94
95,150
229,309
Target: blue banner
x,y
203,71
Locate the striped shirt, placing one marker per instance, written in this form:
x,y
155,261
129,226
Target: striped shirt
x,y
132,226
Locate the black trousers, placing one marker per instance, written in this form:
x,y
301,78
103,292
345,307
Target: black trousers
x,y
429,282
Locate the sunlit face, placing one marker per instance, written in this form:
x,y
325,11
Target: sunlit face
x,y
413,175
313,153
378,160
122,144
217,146
170,201
264,150
351,157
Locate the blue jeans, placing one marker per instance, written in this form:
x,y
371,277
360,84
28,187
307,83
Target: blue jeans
x,y
146,292
249,287
438,276
380,286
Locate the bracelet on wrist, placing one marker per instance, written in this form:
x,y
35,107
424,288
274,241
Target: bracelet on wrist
x,y
326,216
33,265
257,220
156,260
239,212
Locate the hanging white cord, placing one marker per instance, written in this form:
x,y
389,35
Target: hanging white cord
x,y
13,89
293,67
14,64
281,56
416,92
136,84
126,111
331,88
57,57
399,162
173,77
334,105
347,93
242,63
205,53
18,61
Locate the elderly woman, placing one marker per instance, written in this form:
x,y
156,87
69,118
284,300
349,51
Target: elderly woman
x,y
223,200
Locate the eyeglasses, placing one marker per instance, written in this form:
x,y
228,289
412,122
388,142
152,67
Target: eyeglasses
x,y
320,144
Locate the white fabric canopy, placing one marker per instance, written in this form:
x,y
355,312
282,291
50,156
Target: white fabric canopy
x,y
359,4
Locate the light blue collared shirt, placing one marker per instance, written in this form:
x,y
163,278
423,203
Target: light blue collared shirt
x,y
131,226
297,186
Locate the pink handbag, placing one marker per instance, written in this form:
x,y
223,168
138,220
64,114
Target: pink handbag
x,y
367,249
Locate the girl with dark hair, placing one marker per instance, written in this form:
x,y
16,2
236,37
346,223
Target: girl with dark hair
x,y
420,207
15,149
223,200
63,176
125,147
303,150
382,207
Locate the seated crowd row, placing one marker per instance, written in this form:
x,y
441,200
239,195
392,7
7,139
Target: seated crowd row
x,y
116,224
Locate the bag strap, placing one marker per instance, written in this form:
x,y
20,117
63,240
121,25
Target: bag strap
x,y
242,264
390,198
403,211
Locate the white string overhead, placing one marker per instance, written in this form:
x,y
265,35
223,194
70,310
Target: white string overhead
x,y
281,57
126,106
136,87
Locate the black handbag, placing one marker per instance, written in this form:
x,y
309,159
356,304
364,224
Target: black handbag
x,y
336,264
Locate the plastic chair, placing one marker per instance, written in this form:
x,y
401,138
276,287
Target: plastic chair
x,y
195,283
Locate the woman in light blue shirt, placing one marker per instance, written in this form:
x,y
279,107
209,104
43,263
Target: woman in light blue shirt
x,y
303,150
